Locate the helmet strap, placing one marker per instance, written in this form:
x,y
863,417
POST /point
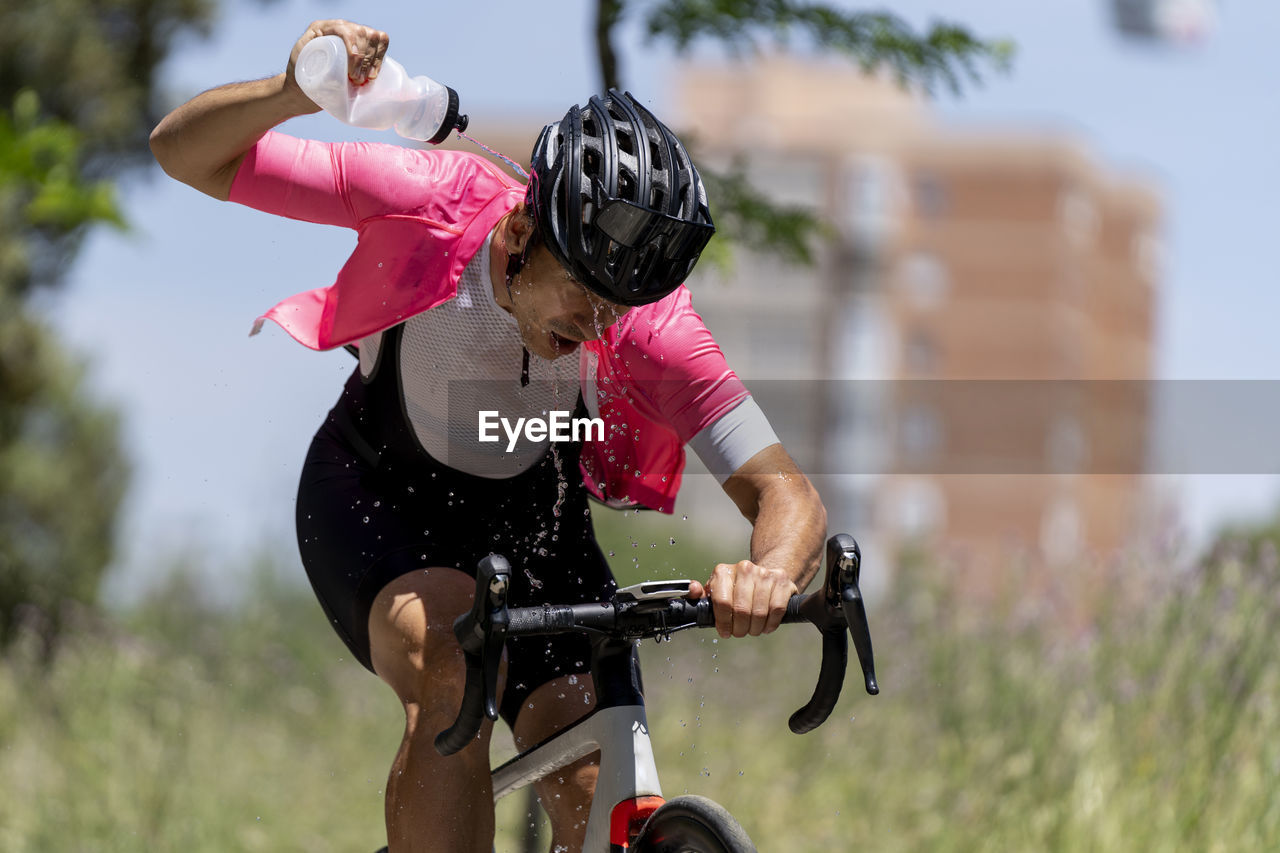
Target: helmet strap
x,y
514,264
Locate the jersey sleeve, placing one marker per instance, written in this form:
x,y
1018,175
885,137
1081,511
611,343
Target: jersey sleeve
x,y
348,183
679,370
725,444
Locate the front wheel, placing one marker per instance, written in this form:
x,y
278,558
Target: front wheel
x,y
692,825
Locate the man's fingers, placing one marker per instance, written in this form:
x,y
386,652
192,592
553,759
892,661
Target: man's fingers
x,y
748,599
721,588
778,600
367,47
379,55
744,599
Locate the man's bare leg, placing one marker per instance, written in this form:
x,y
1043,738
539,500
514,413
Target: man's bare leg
x,y
565,794
434,804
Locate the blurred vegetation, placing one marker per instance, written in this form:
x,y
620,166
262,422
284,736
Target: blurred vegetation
x,y
61,476
90,67
178,726
77,79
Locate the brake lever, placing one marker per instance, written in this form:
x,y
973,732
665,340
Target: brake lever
x,y
842,586
482,633
835,608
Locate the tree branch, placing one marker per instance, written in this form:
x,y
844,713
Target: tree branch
x,y
944,54
608,14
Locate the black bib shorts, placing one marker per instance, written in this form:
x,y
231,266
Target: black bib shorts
x,y
372,506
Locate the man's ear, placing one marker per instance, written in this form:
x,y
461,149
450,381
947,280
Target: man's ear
x,y
517,230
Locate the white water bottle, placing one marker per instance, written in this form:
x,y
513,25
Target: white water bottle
x,y
418,107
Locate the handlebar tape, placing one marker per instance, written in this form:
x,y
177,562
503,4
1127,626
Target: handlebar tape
x,y
835,657
533,620
470,715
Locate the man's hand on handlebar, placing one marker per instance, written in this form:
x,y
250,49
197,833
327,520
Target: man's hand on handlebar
x,y
747,598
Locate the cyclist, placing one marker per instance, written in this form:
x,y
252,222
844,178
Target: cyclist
x,y
469,292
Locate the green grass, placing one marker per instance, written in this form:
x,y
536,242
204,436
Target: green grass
x,y
173,726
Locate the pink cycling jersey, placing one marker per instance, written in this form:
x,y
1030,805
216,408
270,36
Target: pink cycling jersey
x,y
656,377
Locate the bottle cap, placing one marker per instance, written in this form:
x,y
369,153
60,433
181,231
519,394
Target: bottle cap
x,y
451,119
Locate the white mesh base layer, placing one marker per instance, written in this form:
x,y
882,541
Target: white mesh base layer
x,y
465,356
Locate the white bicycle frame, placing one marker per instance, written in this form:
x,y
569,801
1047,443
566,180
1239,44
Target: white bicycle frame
x,y
627,768
617,728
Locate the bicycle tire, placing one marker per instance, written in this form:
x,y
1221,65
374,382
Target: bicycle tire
x,y
692,824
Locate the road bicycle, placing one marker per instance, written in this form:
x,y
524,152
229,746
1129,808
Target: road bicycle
x,y
628,812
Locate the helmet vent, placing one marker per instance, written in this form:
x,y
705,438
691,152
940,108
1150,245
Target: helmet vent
x,y
626,185
626,144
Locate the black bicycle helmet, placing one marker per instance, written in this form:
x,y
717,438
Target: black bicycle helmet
x,y
618,201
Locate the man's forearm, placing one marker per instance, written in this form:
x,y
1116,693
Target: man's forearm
x,y
789,522
789,528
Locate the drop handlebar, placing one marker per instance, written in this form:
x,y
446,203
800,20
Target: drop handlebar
x,y
653,610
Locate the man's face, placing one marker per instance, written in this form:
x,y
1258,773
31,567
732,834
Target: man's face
x,y
554,311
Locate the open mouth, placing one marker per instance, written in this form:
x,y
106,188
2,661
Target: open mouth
x,y
562,345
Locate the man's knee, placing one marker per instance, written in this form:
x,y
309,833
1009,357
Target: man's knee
x,y
554,706
411,636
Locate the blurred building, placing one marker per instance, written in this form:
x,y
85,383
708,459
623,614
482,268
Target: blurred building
x,y
950,369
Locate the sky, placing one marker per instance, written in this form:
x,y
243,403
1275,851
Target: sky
x,y
216,423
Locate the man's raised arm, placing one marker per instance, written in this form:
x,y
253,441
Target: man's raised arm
x,y
203,142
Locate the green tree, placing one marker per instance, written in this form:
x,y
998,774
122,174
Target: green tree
x,y
92,64
61,476
945,55
77,84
